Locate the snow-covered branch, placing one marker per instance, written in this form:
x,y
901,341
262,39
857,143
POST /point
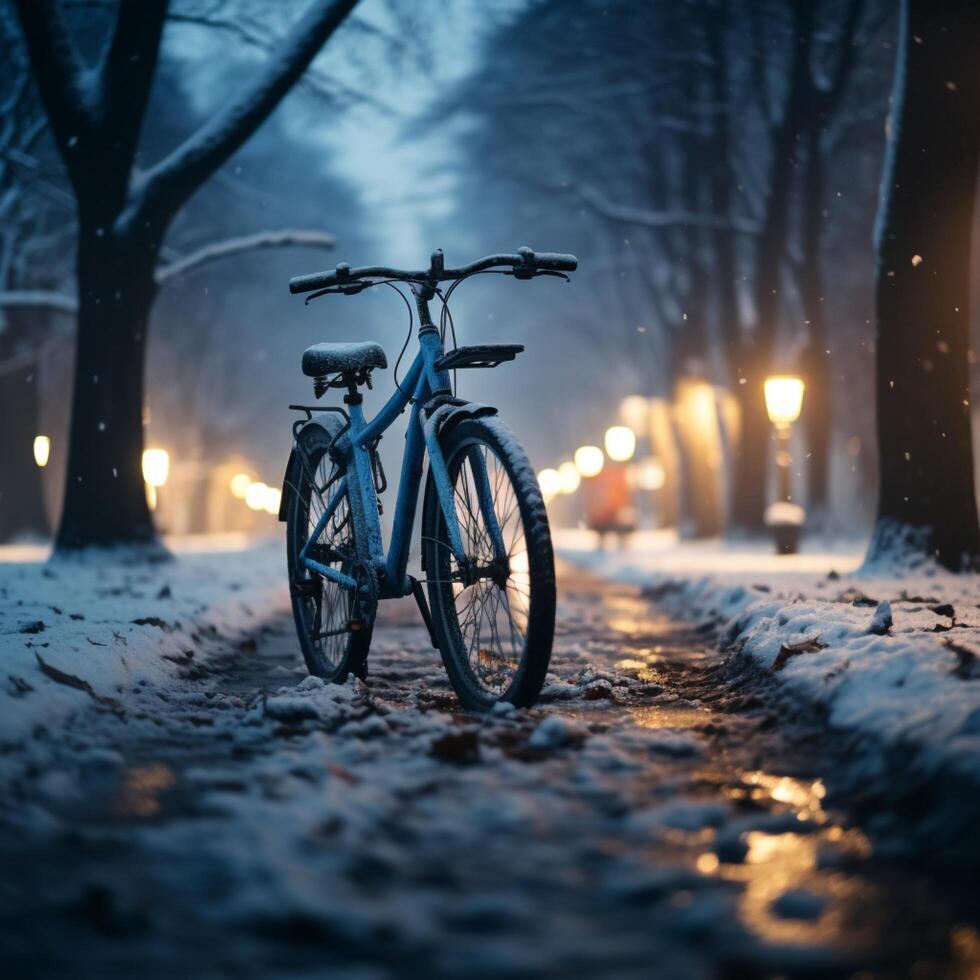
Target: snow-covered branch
x,y
46,298
668,218
167,185
289,238
58,71
123,81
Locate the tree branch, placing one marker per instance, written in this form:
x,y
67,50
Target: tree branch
x,y
845,62
674,217
288,238
125,75
59,74
167,185
43,298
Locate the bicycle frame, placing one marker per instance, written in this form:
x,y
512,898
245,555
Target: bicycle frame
x,y
422,382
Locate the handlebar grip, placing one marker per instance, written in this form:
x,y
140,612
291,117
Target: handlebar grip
x,y
555,261
319,280
316,280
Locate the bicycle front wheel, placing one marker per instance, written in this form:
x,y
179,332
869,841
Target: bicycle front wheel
x,y
494,614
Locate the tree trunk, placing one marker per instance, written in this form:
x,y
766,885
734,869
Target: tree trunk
x,y
926,504
21,497
751,461
752,454
817,416
105,499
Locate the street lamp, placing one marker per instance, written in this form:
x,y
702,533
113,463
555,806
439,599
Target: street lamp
x,y
156,469
273,496
255,496
570,477
784,402
589,461
784,399
239,485
650,475
620,443
42,450
550,482
634,410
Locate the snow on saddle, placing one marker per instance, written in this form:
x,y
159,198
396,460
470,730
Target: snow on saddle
x,y
324,359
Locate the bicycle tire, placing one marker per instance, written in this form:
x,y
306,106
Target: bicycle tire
x,y
333,658
510,468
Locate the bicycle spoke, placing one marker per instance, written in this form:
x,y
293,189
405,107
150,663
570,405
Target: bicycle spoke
x,y
327,622
491,620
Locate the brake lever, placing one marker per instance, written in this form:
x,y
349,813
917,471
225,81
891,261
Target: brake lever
x,y
352,290
524,274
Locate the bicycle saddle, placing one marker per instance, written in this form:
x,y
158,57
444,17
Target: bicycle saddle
x,y
323,359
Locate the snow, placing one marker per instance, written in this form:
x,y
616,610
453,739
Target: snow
x,y
233,793
85,633
329,358
890,654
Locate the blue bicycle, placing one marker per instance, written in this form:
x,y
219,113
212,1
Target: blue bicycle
x,y
485,543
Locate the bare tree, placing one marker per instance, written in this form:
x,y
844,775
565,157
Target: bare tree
x,y
752,358
96,115
926,504
825,88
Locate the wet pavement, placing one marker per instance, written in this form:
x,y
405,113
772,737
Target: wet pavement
x,y
655,815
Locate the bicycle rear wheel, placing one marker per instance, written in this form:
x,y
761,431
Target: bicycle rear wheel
x,y
494,615
329,625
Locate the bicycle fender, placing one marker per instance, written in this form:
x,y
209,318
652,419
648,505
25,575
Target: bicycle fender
x,y
448,415
445,417
331,424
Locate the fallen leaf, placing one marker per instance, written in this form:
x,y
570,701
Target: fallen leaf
x,y
811,644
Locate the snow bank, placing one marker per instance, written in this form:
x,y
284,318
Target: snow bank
x,y
96,633
890,656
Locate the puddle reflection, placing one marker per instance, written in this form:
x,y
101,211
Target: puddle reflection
x,y
141,789
661,717
805,797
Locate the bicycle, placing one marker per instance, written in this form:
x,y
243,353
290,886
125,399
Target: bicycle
x,y
485,542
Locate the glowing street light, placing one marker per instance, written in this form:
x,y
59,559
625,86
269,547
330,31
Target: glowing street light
x,y
570,477
634,410
156,466
272,497
239,485
156,469
42,450
550,482
650,474
784,400
255,496
589,460
620,443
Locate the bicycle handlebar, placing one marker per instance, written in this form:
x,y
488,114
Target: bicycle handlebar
x,y
525,264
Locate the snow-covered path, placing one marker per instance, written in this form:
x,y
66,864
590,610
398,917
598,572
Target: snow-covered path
x,y
646,819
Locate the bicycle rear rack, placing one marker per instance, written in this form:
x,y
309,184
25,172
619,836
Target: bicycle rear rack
x,y
480,356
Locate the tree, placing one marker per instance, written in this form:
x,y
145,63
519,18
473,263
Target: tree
x,y
752,358
96,115
34,240
926,503
824,91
